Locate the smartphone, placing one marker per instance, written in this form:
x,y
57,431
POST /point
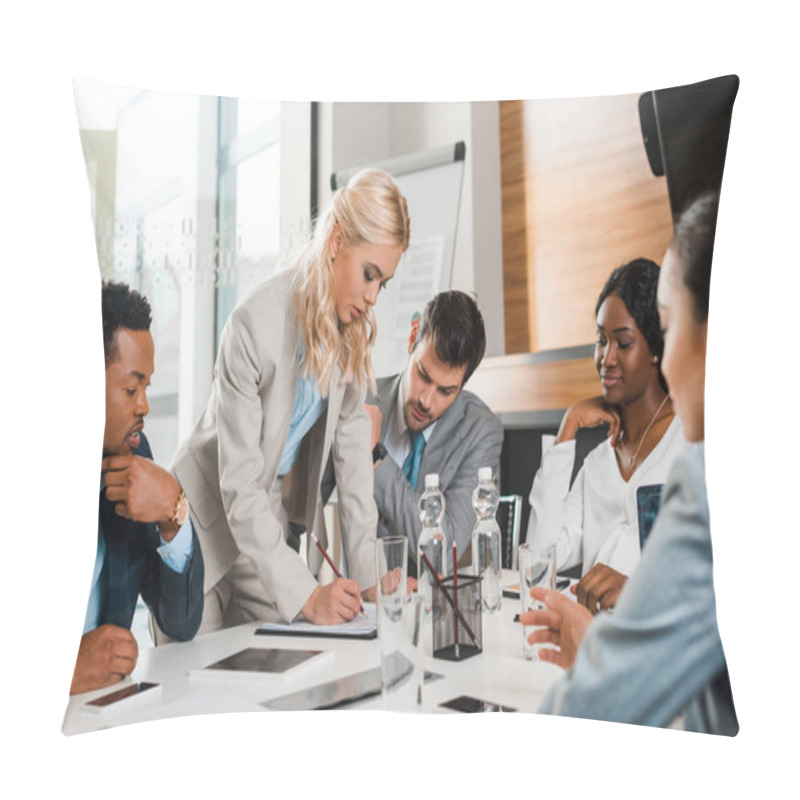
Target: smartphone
x,y
648,501
473,705
127,694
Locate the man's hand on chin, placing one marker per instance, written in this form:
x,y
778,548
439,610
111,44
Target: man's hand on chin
x,y
140,489
106,655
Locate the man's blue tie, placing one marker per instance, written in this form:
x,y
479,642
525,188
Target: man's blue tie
x,y
411,465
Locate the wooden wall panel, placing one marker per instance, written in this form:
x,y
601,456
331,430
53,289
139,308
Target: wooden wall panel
x,y
589,203
506,385
516,291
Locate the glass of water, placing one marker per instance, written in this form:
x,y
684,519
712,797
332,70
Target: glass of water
x,y
537,567
399,638
391,562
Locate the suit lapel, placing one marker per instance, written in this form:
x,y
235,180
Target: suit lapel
x,y
388,390
335,395
119,561
319,459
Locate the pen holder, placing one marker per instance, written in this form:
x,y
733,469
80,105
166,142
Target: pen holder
x,y
457,634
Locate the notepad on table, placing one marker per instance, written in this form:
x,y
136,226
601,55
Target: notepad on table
x,y
362,626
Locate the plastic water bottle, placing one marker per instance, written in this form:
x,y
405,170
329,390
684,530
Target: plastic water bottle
x,y
486,540
431,539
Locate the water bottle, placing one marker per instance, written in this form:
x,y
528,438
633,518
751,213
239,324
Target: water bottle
x,y
486,541
431,539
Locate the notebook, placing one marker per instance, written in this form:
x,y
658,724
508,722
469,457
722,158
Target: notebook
x,y
363,626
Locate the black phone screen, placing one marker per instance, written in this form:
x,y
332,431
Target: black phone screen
x,y
473,705
122,694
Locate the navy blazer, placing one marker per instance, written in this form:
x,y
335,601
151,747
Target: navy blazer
x,y
132,566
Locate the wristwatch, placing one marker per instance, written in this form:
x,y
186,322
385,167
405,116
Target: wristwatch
x,y
379,452
181,509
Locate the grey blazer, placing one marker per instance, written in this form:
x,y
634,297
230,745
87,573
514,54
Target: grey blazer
x,y
466,437
228,467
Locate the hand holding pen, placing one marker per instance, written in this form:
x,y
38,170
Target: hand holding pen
x,y
337,602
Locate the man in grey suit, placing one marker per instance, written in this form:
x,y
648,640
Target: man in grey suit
x,y
425,421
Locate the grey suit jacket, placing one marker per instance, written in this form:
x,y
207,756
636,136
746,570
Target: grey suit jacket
x,y
228,467
466,437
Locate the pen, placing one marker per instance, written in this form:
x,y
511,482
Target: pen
x,y
449,599
332,565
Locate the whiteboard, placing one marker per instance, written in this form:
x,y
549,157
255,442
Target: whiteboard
x,y
431,183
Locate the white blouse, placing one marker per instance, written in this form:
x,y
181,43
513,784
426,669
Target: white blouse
x,y
595,521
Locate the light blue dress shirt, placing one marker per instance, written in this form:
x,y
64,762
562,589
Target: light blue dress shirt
x,y
308,407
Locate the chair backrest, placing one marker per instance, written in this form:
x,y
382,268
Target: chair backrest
x,y
509,511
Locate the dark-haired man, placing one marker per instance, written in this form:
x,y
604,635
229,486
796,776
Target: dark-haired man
x,y
425,421
145,542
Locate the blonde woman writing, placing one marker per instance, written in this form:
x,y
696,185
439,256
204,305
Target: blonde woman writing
x,y
289,386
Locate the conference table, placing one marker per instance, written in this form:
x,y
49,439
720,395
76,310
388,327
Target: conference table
x,y
500,674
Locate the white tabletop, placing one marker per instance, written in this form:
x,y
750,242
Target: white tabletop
x,y
500,674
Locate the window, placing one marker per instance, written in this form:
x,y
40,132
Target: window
x,y
249,199
190,210
151,251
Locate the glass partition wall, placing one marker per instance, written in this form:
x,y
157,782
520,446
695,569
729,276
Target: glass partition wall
x,y
186,201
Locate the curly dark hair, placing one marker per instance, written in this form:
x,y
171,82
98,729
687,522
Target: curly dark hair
x,y
636,284
453,322
693,243
122,308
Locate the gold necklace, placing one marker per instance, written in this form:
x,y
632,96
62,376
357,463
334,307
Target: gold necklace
x,y
632,461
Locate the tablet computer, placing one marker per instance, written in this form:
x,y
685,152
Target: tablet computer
x,y
261,662
347,689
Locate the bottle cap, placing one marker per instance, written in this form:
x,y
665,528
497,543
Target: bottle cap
x,y
432,480
485,474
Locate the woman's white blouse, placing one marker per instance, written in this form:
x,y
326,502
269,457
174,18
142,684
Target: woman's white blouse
x,y
595,521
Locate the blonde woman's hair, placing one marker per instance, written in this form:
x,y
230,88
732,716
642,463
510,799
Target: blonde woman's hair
x,y
369,210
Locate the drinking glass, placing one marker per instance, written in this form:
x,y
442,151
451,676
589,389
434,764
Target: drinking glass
x,y
537,567
400,639
391,563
